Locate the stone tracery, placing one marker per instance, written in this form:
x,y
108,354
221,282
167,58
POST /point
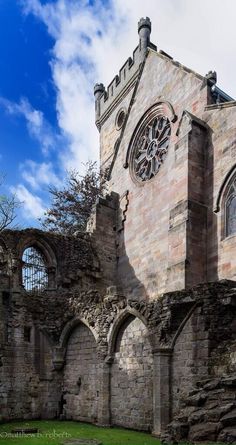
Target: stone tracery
x,y
150,148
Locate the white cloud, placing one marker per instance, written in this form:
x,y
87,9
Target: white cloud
x,y
37,125
39,175
199,34
82,44
93,41
32,205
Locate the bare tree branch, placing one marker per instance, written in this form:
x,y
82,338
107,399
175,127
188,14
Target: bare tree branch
x,y
8,206
72,205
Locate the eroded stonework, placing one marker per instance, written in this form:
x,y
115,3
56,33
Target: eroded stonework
x,y
132,377
135,325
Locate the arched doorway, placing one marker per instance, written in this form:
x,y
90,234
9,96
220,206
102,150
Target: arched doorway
x,y
80,375
132,376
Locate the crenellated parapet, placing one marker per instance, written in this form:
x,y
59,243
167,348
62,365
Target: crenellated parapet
x,y
123,82
107,98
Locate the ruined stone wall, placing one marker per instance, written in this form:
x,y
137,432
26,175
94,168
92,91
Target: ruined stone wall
x,y
101,227
28,387
82,338
113,360
71,261
209,413
80,382
30,322
182,367
190,359
132,377
18,372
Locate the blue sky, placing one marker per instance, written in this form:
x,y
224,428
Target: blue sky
x,y
52,53
25,77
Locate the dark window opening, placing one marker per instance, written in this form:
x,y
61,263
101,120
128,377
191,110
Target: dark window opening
x,y
34,270
231,214
27,334
6,298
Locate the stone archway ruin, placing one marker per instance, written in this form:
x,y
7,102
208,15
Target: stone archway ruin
x,y
132,376
80,387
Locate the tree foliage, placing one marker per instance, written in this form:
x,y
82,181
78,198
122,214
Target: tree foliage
x,y
71,206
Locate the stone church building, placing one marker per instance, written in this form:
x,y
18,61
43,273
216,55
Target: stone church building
x,y
133,323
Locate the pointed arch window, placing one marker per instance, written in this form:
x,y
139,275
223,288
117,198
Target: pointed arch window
x,y
34,270
230,211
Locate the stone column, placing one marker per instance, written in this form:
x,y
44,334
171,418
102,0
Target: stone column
x,y
161,390
104,392
58,358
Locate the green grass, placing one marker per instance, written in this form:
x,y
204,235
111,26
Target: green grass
x,y
108,436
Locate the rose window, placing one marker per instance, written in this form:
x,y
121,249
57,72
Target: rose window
x,y
150,148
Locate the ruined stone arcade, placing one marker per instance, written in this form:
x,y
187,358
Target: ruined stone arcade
x,y
133,323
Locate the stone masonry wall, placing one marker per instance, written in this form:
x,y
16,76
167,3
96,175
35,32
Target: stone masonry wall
x,y
193,251
220,163
131,377
78,266
190,359
110,134
80,385
28,388
162,266
197,326
29,385
208,413
182,366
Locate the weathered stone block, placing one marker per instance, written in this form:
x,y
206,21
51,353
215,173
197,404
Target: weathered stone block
x,y
204,431
229,419
227,435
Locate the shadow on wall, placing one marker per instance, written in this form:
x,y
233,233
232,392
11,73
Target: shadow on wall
x,y
212,217
26,381
131,383
131,377
80,379
126,277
